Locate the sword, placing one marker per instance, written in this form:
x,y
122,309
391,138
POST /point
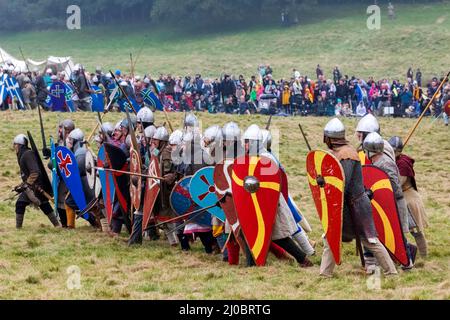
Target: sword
x,y
304,137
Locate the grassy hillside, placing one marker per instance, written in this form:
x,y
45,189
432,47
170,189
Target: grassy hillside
x,y
34,260
331,36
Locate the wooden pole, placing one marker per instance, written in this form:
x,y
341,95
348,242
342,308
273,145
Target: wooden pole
x,y
411,132
129,173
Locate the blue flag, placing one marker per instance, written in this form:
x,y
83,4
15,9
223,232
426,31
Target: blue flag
x,y
97,99
12,86
123,103
58,96
151,99
69,94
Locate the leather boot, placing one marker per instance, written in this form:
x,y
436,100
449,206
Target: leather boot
x,y
53,219
421,244
19,220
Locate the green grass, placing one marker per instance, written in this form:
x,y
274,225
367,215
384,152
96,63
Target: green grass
x,y
331,36
34,260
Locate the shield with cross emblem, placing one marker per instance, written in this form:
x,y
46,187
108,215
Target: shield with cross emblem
x,y
203,192
13,89
58,96
70,173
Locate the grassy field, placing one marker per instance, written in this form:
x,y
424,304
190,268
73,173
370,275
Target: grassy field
x,y
329,36
34,261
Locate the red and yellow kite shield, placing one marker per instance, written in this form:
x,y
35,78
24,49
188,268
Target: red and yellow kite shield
x,y
385,213
136,181
326,181
256,185
152,189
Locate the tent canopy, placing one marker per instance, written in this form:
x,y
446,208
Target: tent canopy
x,y
57,64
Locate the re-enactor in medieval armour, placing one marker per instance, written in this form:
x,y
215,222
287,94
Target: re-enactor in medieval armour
x,y
30,190
357,219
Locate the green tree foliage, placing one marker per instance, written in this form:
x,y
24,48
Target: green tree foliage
x,y
18,15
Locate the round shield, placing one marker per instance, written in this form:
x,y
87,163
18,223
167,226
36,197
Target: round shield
x,y
203,192
90,169
182,203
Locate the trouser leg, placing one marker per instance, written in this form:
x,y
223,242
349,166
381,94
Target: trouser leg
x,y
20,213
116,225
233,251
381,255
221,240
70,213
105,225
47,209
302,240
289,245
327,264
184,241
136,233
421,243
278,251
62,217
207,240
171,235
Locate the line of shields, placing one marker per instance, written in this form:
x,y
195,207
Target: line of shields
x,y
243,191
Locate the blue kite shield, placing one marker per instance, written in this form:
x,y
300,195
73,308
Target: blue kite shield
x,y
203,192
58,96
97,99
12,86
107,182
69,95
55,177
151,99
182,203
123,103
68,169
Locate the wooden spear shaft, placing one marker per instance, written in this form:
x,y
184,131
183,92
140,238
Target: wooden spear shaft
x,y
411,132
129,173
